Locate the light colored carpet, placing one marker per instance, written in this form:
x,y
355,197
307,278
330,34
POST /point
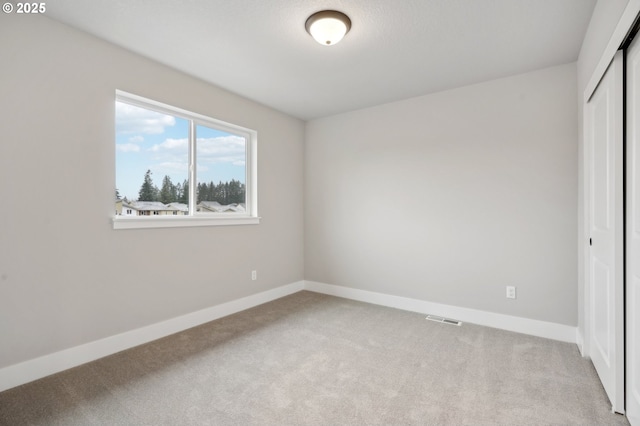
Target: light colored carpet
x,y
321,360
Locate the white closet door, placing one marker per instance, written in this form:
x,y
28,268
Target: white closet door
x,y
604,118
633,235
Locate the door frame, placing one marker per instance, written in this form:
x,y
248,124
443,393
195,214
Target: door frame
x,y
618,37
610,364
632,241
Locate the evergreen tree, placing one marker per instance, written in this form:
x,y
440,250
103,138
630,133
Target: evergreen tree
x,y
215,193
211,191
221,193
200,192
174,193
184,193
168,191
235,192
231,192
178,191
148,191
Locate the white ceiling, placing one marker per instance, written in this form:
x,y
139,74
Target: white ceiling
x,y
396,49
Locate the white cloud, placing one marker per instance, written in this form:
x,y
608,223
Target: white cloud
x,y
171,167
127,147
136,139
223,149
171,156
171,145
133,119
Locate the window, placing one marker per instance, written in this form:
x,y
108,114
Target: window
x,y
177,168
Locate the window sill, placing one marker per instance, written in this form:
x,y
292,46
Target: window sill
x,y
182,222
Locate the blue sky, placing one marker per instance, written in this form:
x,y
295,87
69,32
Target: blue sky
x,y
150,140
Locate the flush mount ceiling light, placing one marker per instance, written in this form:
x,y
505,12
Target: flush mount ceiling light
x,y
328,27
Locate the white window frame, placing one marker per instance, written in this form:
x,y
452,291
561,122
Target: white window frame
x,y
193,218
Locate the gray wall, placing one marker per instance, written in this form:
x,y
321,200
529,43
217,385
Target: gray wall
x,y
452,196
66,277
445,198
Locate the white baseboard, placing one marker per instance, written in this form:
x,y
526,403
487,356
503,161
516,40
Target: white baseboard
x,y
28,371
580,343
532,327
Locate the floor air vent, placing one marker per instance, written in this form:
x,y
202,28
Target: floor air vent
x,y
444,320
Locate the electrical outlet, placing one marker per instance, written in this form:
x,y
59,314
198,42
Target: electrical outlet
x,y
511,292
254,275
